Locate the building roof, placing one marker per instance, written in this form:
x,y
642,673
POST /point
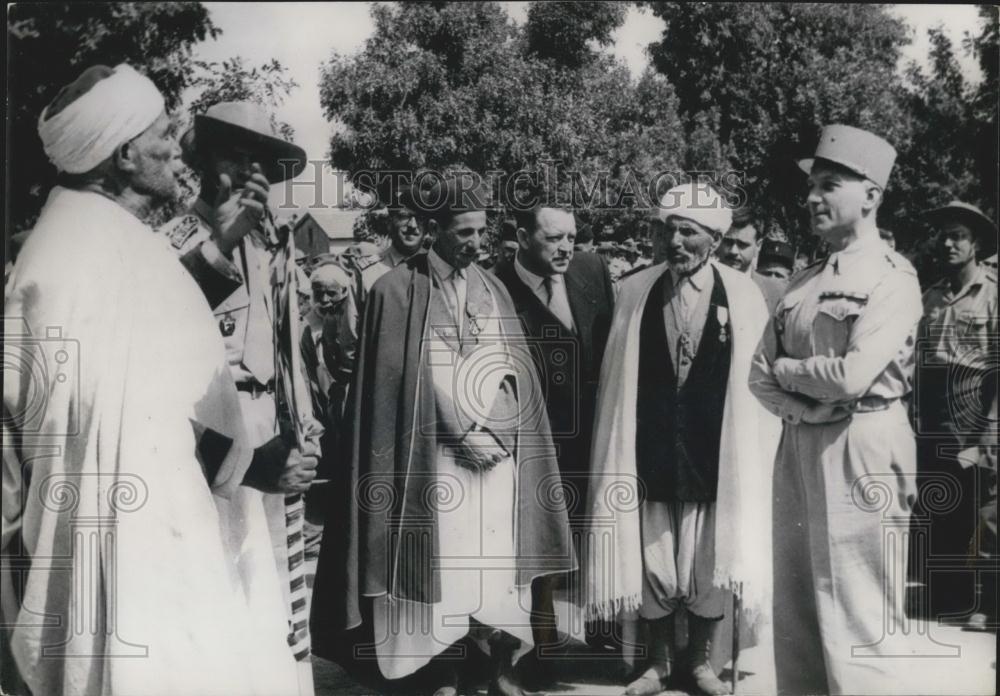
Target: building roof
x,y
338,223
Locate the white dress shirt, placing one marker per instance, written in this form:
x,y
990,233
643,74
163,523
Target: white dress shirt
x,y
558,303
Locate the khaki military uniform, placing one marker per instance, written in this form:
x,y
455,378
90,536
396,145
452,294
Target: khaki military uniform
x,y
843,337
955,385
239,292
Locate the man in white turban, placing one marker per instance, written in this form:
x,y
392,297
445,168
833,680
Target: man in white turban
x,y
142,567
678,501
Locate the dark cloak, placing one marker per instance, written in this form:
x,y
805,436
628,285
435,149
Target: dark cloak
x,y
380,534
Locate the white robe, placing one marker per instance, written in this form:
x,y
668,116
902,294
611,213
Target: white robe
x,y
475,516
143,579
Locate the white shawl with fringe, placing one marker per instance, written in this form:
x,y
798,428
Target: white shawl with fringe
x,y
143,579
613,548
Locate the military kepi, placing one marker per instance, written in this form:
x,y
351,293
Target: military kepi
x,y
862,152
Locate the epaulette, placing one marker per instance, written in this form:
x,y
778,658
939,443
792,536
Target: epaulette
x,y
179,231
805,271
365,262
899,262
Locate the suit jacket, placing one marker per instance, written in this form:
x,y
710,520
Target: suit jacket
x,y
568,362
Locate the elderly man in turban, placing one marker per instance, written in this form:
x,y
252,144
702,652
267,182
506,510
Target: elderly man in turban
x,y
139,556
679,484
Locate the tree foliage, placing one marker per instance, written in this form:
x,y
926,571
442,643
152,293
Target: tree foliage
x,y
445,83
50,44
563,31
761,79
231,80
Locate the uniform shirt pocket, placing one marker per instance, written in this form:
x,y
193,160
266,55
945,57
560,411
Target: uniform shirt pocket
x,y
835,317
232,317
970,339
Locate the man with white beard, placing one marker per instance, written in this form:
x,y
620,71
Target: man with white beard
x,y
143,565
674,416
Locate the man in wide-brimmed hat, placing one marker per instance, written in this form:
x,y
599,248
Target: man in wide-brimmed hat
x,y
836,366
228,242
957,385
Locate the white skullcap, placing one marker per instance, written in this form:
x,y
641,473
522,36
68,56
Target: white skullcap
x,y
697,202
331,273
113,111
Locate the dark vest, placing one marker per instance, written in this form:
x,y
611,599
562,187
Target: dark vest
x,y
678,431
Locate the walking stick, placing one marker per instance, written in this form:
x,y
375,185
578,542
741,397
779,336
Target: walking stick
x,y
737,610
299,406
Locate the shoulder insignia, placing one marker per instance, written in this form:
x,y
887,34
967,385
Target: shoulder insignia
x,y
365,262
900,262
181,230
805,272
817,262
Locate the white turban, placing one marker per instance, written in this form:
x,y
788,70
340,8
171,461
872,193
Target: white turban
x,y
330,273
113,111
697,202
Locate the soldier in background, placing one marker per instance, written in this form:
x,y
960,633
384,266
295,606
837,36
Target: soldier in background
x,y
774,268
405,234
743,248
956,385
775,260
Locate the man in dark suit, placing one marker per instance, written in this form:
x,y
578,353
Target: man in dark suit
x,y
565,302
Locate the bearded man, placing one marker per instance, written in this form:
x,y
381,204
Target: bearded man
x,y
138,544
678,498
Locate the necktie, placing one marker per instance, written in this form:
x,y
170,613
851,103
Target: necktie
x,y
258,347
456,283
557,302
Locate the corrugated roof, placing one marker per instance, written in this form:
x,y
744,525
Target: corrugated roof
x,y
338,223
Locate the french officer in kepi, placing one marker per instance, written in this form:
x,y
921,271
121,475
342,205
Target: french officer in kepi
x,y
836,364
227,241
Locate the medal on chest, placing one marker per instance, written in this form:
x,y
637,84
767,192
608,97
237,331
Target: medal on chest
x,y
227,325
685,349
722,314
477,312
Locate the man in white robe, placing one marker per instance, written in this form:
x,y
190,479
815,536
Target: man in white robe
x,y
140,565
681,455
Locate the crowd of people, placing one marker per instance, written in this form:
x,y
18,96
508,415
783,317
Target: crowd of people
x,y
688,423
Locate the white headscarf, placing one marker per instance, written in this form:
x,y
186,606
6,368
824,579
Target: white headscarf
x,y
113,111
698,202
